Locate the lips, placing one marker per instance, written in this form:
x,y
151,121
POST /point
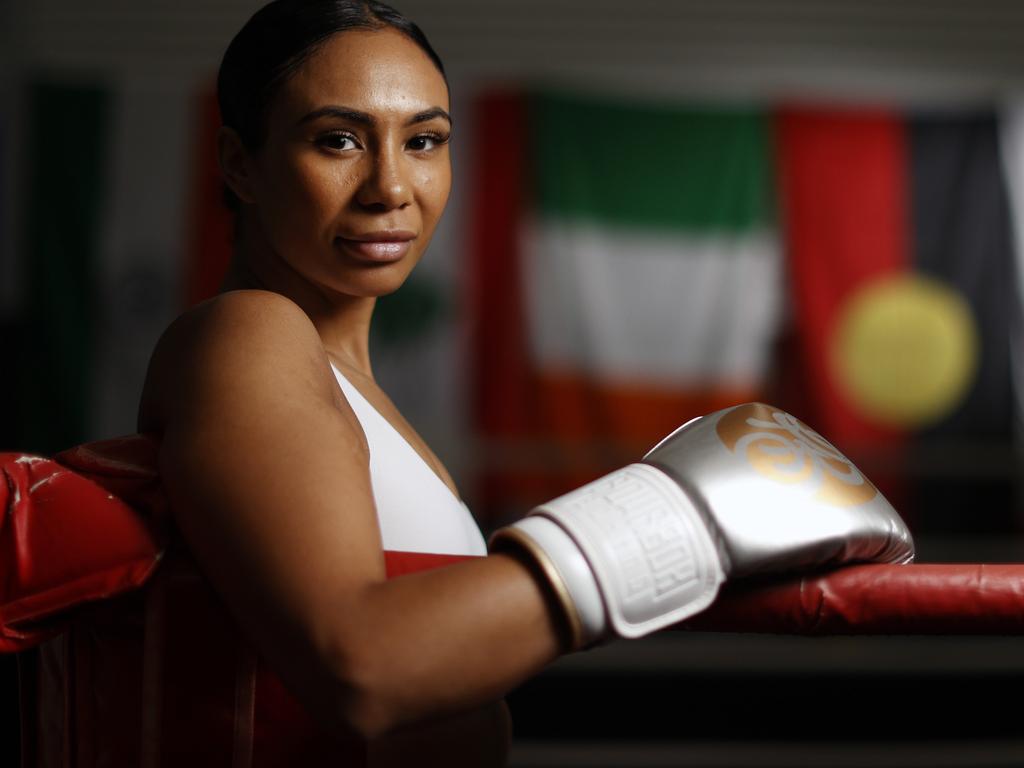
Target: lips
x,y
378,247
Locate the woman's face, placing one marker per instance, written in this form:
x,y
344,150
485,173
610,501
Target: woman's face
x,y
355,171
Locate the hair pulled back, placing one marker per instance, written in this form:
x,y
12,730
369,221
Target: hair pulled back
x,y
276,41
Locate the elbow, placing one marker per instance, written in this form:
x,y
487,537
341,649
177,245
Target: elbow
x,y
365,702
367,716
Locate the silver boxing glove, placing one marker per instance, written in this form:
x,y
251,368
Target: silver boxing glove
x,y
745,490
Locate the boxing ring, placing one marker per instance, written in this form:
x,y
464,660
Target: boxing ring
x,y
117,633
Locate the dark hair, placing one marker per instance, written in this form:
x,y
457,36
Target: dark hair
x,y
276,41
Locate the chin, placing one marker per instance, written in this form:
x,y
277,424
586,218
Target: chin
x,y
372,286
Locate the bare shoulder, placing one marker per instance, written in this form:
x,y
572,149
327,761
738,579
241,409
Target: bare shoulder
x,y
265,468
249,317
242,340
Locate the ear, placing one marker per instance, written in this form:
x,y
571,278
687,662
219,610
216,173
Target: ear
x,y
235,164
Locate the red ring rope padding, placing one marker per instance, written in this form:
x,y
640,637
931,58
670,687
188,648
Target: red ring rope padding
x,y
91,524
918,599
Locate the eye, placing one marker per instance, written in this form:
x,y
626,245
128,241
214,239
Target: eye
x,y
337,142
427,141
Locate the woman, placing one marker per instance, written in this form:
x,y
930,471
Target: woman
x,y
290,473
286,466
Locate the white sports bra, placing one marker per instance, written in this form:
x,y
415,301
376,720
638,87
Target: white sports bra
x,y
416,510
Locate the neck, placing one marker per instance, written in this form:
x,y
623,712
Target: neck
x,y
342,321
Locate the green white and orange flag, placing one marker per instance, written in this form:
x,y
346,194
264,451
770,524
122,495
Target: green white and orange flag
x,y
627,278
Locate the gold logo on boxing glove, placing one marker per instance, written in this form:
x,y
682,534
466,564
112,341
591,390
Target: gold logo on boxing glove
x,y
781,447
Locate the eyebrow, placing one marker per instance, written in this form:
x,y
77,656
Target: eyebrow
x,y
356,116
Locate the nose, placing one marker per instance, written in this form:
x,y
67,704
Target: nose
x,y
387,185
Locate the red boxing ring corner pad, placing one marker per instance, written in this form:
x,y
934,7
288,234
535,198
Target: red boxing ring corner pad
x,y
66,539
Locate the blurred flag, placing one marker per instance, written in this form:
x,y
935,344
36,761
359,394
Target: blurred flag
x,y
626,278
102,258
138,269
898,239
1012,145
67,150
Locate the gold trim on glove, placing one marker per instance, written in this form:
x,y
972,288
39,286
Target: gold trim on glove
x,y
554,577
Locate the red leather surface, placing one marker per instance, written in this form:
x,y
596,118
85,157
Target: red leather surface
x,y
918,599
65,540
126,466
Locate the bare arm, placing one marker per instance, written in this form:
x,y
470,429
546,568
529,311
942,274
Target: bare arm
x,y
266,468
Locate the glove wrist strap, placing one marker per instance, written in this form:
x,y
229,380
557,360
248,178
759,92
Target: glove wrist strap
x,y
646,544
567,572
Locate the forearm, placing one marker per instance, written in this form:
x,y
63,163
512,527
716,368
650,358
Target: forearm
x,y
442,641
